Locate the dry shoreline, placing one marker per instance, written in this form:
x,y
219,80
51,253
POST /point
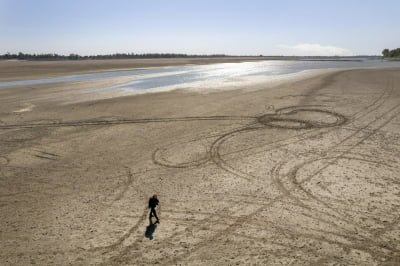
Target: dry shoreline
x,y
304,172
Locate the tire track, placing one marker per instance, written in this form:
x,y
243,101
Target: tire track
x,y
348,138
380,101
123,121
298,185
376,104
359,114
218,159
215,154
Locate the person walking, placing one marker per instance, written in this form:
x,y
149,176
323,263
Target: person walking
x,y
153,202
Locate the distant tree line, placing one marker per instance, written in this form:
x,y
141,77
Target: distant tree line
x,y
23,56
391,53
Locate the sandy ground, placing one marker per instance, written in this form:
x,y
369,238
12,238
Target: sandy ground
x,y
304,173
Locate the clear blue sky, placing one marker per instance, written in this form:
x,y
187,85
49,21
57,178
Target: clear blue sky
x,y
279,27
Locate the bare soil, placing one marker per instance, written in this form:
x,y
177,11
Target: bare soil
x,y
304,173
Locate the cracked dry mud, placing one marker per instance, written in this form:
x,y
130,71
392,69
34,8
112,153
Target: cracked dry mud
x,y
312,181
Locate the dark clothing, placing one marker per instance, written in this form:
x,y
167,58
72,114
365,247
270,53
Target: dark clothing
x,y
153,202
153,213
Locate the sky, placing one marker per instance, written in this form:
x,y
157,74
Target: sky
x,y
234,27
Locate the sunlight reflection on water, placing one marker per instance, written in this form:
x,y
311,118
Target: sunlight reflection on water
x,y
184,75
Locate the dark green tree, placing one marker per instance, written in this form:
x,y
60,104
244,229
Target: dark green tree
x,y
386,52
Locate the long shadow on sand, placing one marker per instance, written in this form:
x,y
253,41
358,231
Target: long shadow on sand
x,y
150,229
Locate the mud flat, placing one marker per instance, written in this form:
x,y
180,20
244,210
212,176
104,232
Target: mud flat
x,y
304,173
18,69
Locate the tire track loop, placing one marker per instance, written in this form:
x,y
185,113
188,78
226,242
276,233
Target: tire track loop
x,y
214,151
223,163
217,144
215,147
216,155
218,160
221,140
304,136
318,131
239,221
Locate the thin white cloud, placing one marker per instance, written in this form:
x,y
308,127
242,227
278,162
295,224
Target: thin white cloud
x,y
315,49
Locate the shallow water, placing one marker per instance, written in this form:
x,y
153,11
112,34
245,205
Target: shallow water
x,y
173,76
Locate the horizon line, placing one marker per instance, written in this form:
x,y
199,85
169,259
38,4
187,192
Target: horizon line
x,y
161,54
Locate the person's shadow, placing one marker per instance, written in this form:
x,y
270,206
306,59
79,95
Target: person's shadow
x,y
150,229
